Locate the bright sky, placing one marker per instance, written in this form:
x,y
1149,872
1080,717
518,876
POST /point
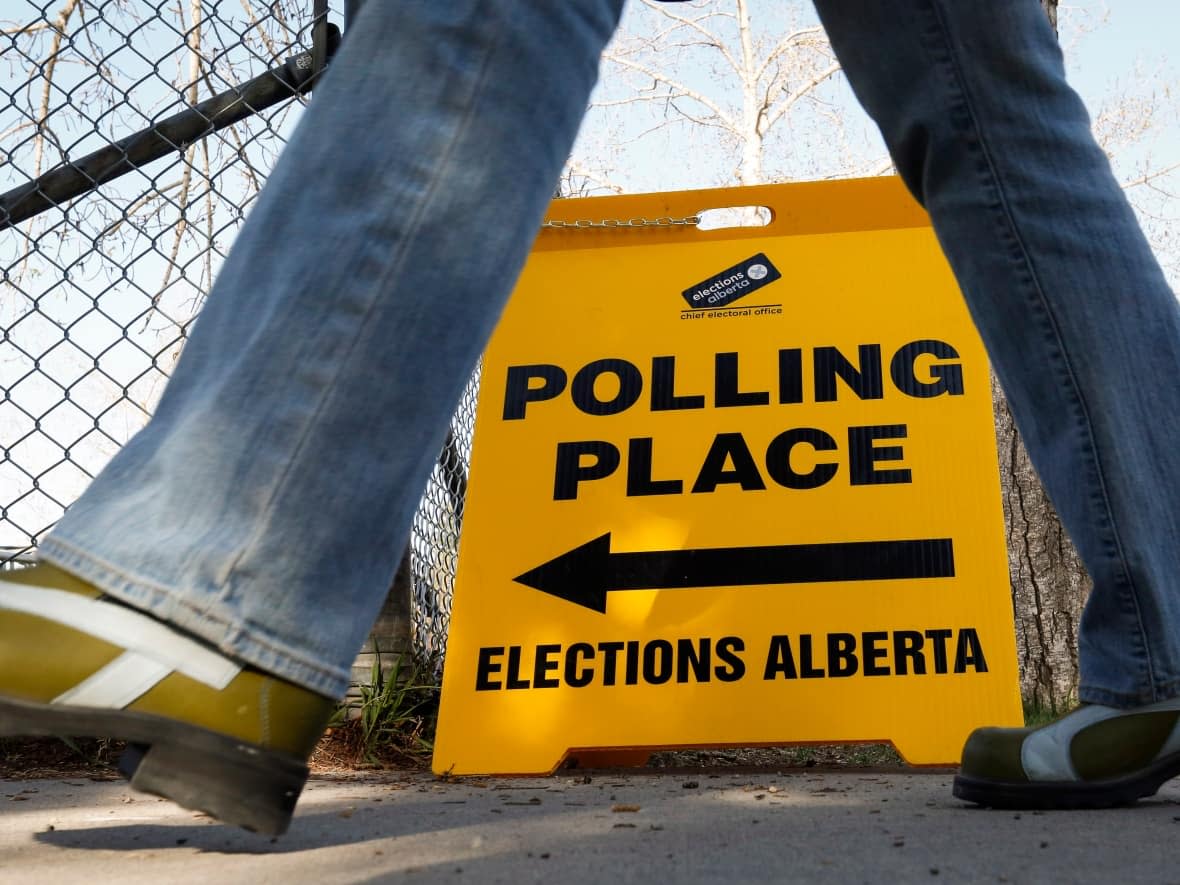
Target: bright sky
x,y
1119,57
1111,45
1127,47
1124,32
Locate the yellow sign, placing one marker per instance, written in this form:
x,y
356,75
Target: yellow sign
x,y
731,487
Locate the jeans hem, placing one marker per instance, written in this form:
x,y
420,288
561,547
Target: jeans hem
x,y
1091,694
239,641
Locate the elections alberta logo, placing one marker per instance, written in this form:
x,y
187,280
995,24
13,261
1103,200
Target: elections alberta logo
x,y
726,287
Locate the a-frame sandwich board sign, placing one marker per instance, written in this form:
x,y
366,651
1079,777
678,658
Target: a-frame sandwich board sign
x,y
731,487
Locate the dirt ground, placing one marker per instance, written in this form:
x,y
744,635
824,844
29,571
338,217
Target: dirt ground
x,y
338,754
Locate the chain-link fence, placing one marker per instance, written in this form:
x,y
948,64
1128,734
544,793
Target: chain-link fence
x,y
134,136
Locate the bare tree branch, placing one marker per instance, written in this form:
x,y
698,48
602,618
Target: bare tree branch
x,y
59,31
1151,176
784,45
695,24
576,168
636,99
23,30
253,19
662,77
801,92
193,41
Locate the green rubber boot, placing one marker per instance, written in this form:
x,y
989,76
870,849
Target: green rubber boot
x,y
1094,757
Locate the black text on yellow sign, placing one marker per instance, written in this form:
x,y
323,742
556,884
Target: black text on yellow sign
x,y
609,663
872,452
776,523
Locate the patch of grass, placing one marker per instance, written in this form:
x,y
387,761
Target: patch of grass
x,y
394,721
1036,715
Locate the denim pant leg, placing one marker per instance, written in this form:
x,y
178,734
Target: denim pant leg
x,y
265,506
1080,324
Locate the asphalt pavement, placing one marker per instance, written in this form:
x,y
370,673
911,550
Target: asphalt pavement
x,y
603,827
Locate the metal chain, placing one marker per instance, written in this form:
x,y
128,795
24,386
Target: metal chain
x,y
610,223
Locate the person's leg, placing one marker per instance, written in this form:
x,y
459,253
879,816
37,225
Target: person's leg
x,y
264,508
1079,322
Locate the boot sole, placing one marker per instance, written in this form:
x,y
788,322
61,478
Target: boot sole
x,y
1048,795
239,783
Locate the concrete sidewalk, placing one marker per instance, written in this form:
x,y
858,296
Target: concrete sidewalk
x,y
709,826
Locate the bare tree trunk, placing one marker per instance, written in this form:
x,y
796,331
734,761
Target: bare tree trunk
x,y
1049,583
1050,7
390,644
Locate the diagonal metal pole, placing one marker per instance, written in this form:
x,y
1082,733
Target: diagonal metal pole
x,y
295,76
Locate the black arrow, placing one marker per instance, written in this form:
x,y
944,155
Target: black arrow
x,y
586,574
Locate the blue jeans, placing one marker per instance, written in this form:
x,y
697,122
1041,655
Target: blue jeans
x,y
266,504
